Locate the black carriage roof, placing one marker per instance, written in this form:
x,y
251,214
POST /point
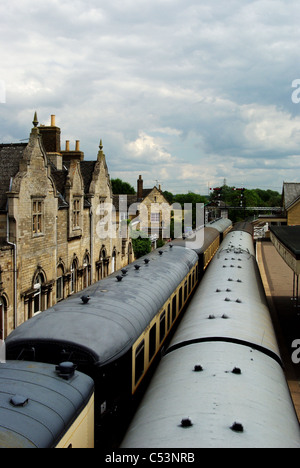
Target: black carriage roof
x,y
116,314
37,407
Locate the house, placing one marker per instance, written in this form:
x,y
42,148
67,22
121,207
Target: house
x,y
148,210
55,227
291,203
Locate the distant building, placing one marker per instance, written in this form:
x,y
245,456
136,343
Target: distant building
x,y
148,210
291,203
52,206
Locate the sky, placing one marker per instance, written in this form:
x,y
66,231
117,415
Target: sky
x,y
188,93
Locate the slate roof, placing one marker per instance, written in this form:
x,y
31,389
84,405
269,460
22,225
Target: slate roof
x,y
291,193
10,156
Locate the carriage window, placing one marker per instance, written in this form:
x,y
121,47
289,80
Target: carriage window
x,y
162,329
185,292
174,307
180,299
139,361
152,342
169,316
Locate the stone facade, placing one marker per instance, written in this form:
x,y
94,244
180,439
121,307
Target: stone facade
x,y
291,203
148,210
52,206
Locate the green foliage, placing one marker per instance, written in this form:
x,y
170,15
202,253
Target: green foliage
x,y
119,187
255,197
141,246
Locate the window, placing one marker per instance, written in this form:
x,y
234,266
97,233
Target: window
x,y
169,316
152,342
76,213
180,299
155,217
60,284
86,271
3,315
174,308
162,328
73,276
185,291
38,294
37,216
139,361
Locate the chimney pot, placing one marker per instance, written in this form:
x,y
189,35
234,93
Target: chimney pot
x,y
67,145
77,147
52,120
140,188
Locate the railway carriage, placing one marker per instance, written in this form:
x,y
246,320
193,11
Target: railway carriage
x,y
221,382
114,332
42,406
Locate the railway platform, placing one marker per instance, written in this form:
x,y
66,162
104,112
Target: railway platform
x,y
277,278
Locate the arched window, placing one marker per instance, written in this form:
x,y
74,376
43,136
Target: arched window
x,y
37,297
60,283
86,271
73,286
3,316
113,260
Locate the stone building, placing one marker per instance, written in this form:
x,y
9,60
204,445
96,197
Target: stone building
x,y
291,203
53,207
148,210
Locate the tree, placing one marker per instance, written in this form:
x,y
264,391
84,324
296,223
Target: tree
x,y
141,246
121,187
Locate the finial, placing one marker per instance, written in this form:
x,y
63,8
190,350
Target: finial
x,y
101,145
35,120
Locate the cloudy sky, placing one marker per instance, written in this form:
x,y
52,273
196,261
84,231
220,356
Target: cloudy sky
x,y
185,92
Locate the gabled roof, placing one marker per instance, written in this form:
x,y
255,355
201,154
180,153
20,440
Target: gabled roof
x,y
10,157
290,193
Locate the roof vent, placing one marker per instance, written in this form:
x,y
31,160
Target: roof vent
x,y
224,316
85,299
227,299
211,317
218,290
186,422
137,267
171,246
236,371
119,278
237,427
124,271
66,370
19,400
146,260
238,301
160,252
198,368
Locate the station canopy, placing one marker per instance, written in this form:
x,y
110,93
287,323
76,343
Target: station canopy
x,y
286,240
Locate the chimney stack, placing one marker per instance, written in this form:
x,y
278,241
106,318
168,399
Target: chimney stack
x,y
72,155
51,140
140,184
